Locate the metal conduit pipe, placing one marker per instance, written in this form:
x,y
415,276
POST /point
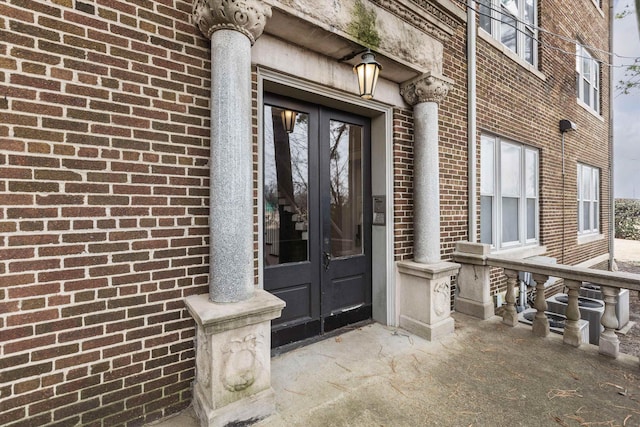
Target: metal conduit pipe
x,y
612,211
471,119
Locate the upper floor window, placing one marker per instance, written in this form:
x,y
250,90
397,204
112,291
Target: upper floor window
x,y
588,199
587,78
513,23
508,193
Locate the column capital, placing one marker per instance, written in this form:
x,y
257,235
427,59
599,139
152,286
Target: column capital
x,y
426,88
246,16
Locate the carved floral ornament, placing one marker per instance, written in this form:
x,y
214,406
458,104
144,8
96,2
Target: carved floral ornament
x,y
426,88
247,16
441,295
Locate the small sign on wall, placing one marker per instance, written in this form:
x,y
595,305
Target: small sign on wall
x,y
379,210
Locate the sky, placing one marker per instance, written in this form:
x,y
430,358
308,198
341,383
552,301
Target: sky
x,y
626,116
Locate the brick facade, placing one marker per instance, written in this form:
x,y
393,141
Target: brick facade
x,y
103,209
104,190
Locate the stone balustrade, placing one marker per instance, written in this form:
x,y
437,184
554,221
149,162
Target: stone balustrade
x,y
474,285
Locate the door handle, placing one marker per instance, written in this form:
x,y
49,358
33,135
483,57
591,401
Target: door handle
x,y
326,260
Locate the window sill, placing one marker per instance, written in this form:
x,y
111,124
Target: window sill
x,y
521,252
588,238
510,54
590,110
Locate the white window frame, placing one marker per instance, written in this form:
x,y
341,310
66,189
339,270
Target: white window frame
x,y
592,199
587,73
491,186
498,8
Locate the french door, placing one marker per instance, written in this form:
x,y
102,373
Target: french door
x,y
317,217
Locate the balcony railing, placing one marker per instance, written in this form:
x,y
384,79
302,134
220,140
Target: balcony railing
x,y
473,292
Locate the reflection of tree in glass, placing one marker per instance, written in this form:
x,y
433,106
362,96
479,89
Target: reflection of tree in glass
x,y
339,159
298,146
286,179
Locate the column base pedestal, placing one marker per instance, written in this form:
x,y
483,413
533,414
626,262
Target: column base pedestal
x,y
474,308
233,359
241,412
609,345
473,286
425,298
432,332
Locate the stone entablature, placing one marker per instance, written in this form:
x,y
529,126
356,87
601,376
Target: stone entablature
x,y
432,18
248,17
408,33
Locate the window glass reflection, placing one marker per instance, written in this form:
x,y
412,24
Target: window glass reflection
x,y
346,187
286,184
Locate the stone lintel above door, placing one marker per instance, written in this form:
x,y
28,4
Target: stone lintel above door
x,y
410,32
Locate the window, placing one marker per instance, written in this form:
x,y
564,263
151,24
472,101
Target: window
x,y
588,200
508,193
587,78
513,23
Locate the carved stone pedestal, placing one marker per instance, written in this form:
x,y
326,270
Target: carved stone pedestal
x,y
473,285
425,298
233,367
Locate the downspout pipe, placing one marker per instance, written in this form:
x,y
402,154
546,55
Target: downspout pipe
x,y
471,119
612,200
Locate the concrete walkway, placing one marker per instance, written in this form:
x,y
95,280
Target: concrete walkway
x,y
626,250
485,374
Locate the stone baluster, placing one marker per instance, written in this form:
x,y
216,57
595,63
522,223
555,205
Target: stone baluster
x,y
540,323
609,342
510,315
572,335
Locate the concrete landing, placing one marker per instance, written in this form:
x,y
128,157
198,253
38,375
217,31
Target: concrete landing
x,y
485,374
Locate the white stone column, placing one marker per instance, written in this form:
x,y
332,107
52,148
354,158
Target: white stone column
x,y
425,283
424,93
233,322
233,28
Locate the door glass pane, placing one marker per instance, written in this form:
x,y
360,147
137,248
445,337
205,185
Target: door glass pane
x,y
346,188
286,182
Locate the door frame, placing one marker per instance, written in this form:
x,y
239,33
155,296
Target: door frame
x,y
383,265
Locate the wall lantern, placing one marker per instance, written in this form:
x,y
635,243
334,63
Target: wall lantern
x,y
288,120
367,71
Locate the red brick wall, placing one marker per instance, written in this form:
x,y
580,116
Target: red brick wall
x,y
513,102
403,183
104,191
517,104
103,209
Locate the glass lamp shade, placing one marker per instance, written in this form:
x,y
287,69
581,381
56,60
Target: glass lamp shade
x,y
288,120
367,72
